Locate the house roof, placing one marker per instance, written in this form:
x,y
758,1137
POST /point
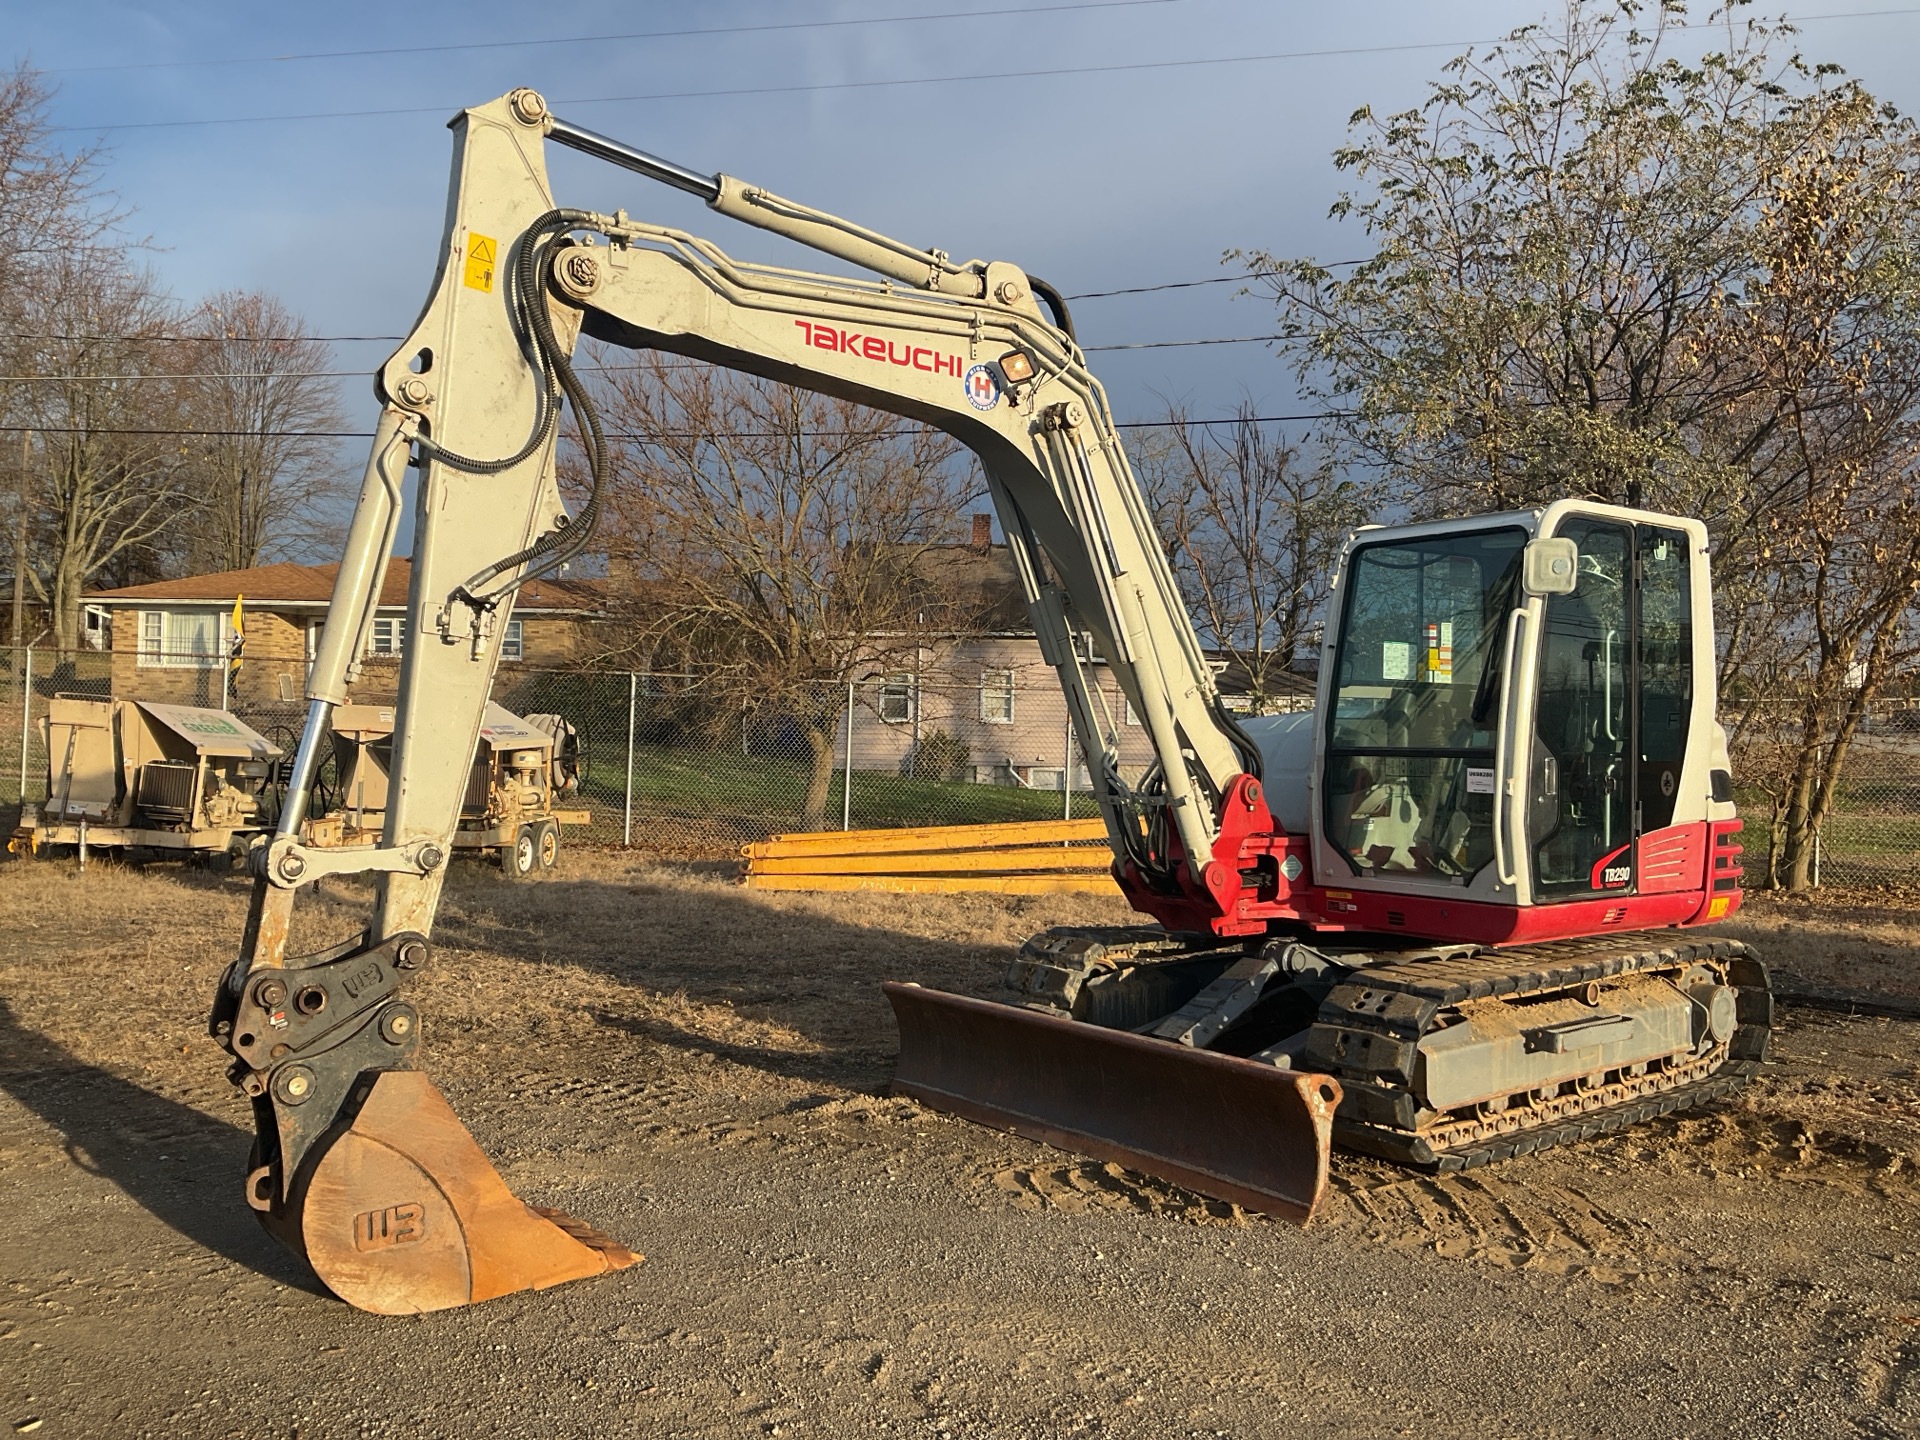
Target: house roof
x,y
291,586
976,587
1234,678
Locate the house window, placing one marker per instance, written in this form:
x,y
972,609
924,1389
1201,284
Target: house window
x,y
389,634
511,647
181,640
996,696
896,699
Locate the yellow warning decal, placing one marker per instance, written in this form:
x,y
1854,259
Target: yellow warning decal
x,y
481,250
1719,906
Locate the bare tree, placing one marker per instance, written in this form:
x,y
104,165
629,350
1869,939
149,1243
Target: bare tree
x,y
49,198
1249,526
772,538
263,467
108,399
1831,326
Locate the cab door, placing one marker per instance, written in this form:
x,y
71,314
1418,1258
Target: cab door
x,y
1612,708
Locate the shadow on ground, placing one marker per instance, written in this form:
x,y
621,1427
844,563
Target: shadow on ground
x,y
717,970
182,1166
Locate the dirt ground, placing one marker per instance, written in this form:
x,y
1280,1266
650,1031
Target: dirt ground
x,y
702,1071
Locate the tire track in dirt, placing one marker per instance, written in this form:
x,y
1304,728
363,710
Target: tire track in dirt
x,y
675,1112
1514,1217
1516,1223
1080,1187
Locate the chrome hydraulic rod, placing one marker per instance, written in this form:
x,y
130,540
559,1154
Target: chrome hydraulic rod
x,y
356,595
752,205
363,563
587,142
306,765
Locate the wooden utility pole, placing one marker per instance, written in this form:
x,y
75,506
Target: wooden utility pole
x,y
20,542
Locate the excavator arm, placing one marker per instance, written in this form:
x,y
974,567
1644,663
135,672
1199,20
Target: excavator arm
x,y
360,1164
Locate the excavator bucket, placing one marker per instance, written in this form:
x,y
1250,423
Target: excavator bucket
x,y
402,1213
1234,1129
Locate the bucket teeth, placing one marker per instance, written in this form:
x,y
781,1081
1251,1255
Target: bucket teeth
x,y
619,1257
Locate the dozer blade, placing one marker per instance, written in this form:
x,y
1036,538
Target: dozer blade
x,y
402,1213
1222,1126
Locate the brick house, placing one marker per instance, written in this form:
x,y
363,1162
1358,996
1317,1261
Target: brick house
x,y
168,639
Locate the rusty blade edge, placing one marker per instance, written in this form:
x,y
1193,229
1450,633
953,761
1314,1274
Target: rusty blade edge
x,y
1099,1147
1316,1096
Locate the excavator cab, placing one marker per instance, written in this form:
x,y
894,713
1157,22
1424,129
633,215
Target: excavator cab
x,y
1509,717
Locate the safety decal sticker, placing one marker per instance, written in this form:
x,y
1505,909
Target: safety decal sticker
x,y
481,250
983,390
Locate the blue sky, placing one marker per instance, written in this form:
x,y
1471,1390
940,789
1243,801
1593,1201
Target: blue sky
x,y
1098,180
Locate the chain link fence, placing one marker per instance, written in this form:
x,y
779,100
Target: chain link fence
x,y
681,763
674,762
1871,838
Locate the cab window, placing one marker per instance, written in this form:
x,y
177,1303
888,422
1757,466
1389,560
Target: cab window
x,y
1410,750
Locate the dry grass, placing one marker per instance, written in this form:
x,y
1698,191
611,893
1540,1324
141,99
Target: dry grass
x,y
1867,943
120,964
613,947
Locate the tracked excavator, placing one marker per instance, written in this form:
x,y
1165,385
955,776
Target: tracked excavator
x,y
1446,918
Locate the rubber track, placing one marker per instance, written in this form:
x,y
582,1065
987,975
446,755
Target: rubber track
x,y
1602,1122
1532,969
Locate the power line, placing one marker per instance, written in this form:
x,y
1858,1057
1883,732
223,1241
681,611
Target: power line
x,y
1170,285
631,436
1192,284
359,374
190,434
185,375
194,339
1052,72
693,32
799,89
396,339
1183,344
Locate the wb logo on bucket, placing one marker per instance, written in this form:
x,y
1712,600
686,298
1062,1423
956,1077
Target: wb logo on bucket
x,y
395,1225
983,391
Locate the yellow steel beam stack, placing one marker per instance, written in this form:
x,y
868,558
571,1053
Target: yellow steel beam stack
x,y
1047,857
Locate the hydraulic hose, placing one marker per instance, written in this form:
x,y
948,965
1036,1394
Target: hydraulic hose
x,y
555,547
1057,303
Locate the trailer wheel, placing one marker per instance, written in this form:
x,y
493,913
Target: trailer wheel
x,y
520,859
546,840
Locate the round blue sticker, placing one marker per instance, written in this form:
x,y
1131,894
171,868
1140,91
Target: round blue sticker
x,y
983,390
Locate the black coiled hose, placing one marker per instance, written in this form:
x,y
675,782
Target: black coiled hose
x,y
554,548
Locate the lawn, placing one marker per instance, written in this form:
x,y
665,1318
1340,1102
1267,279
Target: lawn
x,y
691,797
